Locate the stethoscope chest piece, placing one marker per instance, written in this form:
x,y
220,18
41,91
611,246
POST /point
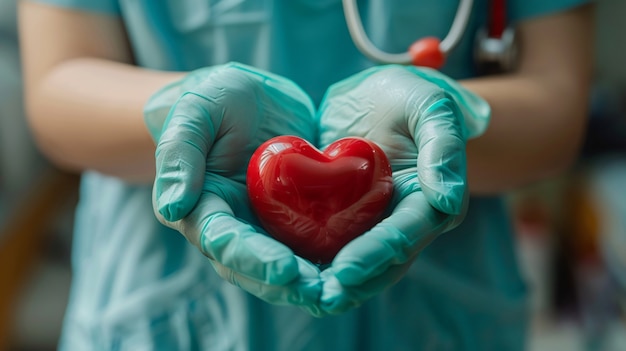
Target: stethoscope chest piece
x,y
496,54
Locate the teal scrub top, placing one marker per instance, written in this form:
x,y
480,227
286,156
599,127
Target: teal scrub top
x,y
140,286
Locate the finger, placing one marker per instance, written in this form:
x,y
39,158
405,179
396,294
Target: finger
x,y
213,228
181,156
412,225
337,298
441,163
221,236
303,291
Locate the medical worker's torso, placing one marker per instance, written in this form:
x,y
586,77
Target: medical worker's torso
x,y
305,40
140,286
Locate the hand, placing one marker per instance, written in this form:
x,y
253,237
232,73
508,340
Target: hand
x,y
422,120
207,126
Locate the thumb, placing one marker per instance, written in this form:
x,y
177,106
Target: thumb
x,y
441,160
181,155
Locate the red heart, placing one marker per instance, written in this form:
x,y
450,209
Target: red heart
x,y
316,202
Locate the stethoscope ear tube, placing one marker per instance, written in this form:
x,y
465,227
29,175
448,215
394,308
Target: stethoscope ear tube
x,y
362,42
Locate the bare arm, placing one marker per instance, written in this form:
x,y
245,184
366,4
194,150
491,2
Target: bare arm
x,y
83,118
84,97
540,111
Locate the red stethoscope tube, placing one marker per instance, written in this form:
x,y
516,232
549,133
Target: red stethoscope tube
x,y
497,19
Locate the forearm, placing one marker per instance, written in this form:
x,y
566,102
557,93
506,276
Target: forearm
x,y
84,98
539,112
87,114
535,132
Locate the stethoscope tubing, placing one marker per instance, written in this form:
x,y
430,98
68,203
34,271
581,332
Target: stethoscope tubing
x,y
364,44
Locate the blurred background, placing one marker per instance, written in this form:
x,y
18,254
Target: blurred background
x,y
571,231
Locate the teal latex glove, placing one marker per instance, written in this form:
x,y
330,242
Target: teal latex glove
x,y
207,126
422,120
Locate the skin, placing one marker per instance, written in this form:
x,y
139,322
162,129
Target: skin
x,y
540,111
538,121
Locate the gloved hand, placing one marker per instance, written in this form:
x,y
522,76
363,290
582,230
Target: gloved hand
x,y
422,120
207,126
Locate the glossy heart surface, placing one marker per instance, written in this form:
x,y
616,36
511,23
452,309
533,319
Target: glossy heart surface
x,y
316,202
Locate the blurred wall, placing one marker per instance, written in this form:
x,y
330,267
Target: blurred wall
x,y
19,159
610,43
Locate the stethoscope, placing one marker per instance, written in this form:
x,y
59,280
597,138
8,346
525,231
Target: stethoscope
x,y
495,48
